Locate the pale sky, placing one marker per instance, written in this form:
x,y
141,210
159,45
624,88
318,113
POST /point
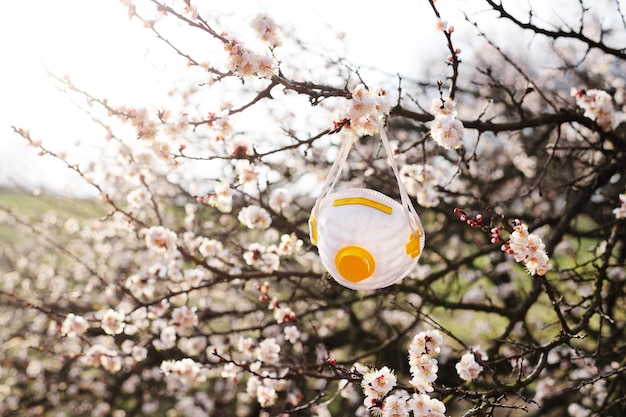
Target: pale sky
x,y
93,43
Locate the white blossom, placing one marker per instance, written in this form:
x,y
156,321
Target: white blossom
x,y
255,217
113,322
160,240
267,351
279,199
289,245
378,382
230,371
245,62
284,314
167,338
184,319
266,395
292,334
424,371
74,325
426,342
528,248
467,368
597,105
446,129
267,29
396,405
222,199
261,257
138,198
620,212
187,371
363,111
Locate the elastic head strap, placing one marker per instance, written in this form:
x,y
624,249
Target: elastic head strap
x,y
340,162
335,170
406,201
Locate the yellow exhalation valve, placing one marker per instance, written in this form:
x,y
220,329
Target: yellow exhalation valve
x,y
354,263
366,240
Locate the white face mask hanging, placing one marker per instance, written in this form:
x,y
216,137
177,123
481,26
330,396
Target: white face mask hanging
x,y
365,239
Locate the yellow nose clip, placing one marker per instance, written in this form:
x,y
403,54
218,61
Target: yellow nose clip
x,y
354,263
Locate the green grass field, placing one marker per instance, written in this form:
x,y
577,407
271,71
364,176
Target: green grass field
x,y
24,205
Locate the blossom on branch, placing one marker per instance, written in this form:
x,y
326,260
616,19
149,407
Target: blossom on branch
x,y
245,63
292,334
222,199
426,342
528,248
423,405
74,325
255,217
186,372
267,351
423,366
279,199
289,245
620,212
262,258
395,405
446,129
160,240
376,384
597,105
424,369
267,30
362,112
468,368
184,319
113,322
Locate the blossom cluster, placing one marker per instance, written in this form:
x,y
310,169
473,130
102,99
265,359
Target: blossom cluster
x,y
160,240
265,259
222,198
267,30
468,368
221,123
186,371
156,132
597,105
245,62
378,384
620,212
74,325
363,111
425,181
528,248
446,129
423,366
264,384
255,217
421,181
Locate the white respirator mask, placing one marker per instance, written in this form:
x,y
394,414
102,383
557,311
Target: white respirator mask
x,y
366,240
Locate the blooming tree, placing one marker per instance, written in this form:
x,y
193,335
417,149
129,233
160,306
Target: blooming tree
x,y
196,291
